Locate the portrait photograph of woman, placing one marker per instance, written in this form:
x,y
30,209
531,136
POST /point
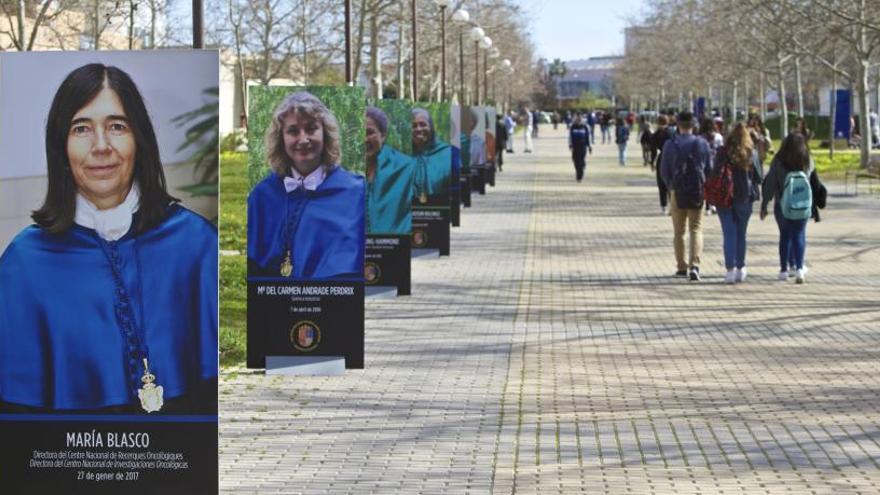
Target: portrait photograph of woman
x,y
108,297
389,169
306,215
433,158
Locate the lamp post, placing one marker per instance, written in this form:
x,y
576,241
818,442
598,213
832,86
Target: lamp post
x,y
477,35
442,4
491,52
198,25
508,69
461,18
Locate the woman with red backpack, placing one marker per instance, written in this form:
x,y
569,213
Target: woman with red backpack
x,y
788,182
739,169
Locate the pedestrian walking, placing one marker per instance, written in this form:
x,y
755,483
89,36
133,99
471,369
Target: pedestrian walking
x,y
645,140
709,132
510,124
787,183
528,120
621,137
604,125
658,140
501,139
738,162
579,143
760,137
684,167
536,121
591,124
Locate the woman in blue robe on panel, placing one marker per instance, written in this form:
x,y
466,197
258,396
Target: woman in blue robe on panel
x,y
109,302
389,180
306,218
433,162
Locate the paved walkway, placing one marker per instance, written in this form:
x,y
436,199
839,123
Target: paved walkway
x,y
553,352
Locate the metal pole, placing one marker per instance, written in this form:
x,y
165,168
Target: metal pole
x,y
415,59
461,66
486,75
198,24
477,73
443,58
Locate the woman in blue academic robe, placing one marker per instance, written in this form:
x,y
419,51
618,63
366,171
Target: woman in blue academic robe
x,y
389,180
109,302
433,162
306,219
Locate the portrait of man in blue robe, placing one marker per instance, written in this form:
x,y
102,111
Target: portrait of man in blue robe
x,y
306,218
389,180
433,162
108,303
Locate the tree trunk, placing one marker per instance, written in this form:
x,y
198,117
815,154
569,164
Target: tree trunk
x,y
305,46
97,22
359,38
153,8
762,97
131,8
799,87
733,102
21,24
375,59
864,109
783,106
833,113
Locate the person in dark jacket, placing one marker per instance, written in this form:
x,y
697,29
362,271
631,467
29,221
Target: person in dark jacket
x,y
579,143
740,154
658,139
500,140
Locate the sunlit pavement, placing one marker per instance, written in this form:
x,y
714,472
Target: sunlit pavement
x,y
554,352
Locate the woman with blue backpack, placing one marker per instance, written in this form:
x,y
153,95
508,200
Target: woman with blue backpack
x,y
738,173
788,183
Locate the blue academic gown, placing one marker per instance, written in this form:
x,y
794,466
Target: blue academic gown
x,y
327,227
389,196
433,171
61,337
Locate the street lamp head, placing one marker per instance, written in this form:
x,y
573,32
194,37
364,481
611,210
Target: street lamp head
x,y
442,3
494,52
486,43
477,33
506,63
460,16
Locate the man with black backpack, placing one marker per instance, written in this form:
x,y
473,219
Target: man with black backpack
x,y
685,163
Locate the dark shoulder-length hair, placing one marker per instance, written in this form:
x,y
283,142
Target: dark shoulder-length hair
x,y
794,153
76,91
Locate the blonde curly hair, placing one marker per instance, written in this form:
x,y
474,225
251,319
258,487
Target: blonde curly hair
x,y
308,105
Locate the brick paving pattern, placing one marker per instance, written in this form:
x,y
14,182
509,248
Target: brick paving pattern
x,y
554,352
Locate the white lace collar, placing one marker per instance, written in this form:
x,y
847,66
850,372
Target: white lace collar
x,y
110,224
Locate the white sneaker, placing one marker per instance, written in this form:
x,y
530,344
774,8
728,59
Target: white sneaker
x,y
783,276
741,275
663,210
730,277
800,276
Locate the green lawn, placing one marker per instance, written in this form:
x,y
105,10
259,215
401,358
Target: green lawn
x,y
233,269
844,159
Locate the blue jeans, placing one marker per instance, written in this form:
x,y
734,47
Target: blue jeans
x,y
792,240
621,153
734,222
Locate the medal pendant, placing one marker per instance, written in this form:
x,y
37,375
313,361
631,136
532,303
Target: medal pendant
x,y
286,266
423,198
150,394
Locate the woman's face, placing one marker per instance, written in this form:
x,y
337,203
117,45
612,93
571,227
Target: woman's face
x,y
101,150
303,141
375,139
421,131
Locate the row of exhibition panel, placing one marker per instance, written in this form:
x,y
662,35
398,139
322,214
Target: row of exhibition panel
x,y
345,192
